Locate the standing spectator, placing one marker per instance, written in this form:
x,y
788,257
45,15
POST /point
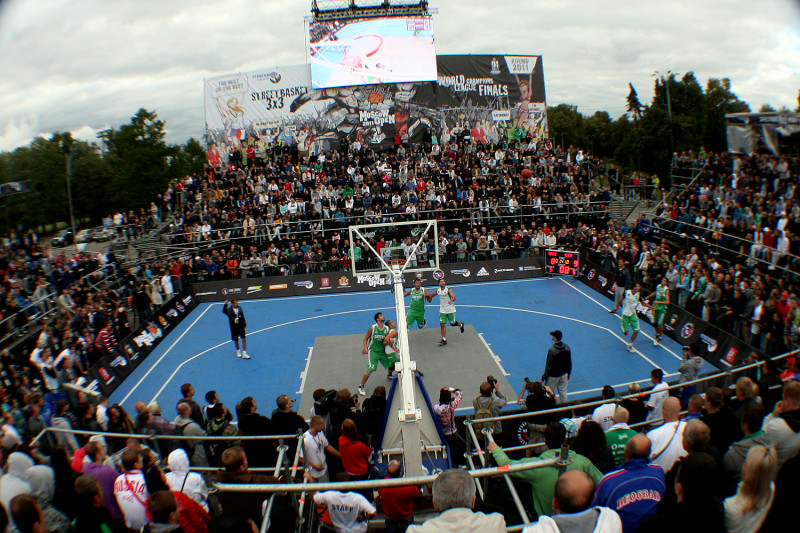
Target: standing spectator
x,y
43,482
667,439
543,479
91,516
636,490
354,453
688,369
783,423
398,502
287,422
15,481
188,398
635,404
572,505
454,498
185,426
723,425
540,398
234,470
259,452
315,445
558,367
752,420
658,394
26,514
130,491
105,475
445,412
349,511
748,508
490,401
604,414
180,479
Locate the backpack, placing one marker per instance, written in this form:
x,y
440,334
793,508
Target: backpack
x,y
483,412
184,443
221,429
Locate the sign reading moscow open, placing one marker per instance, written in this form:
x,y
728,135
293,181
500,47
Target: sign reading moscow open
x,y
561,262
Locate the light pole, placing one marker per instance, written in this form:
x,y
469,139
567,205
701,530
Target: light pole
x,y
66,147
665,81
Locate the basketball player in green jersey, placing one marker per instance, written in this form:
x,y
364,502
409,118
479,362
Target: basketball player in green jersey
x,y
660,308
373,345
416,311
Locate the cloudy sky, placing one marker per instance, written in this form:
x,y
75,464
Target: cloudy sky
x,y
86,65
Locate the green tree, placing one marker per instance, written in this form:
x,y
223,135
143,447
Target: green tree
x,y
189,159
566,125
720,100
634,107
599,129
766,108
138,161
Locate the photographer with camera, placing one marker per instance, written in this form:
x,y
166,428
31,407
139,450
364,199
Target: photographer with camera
x,y
488,404
540,398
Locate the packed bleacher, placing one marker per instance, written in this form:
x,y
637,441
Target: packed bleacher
x,y
282,212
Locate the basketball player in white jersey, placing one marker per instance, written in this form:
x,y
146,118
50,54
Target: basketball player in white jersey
x,y
447,310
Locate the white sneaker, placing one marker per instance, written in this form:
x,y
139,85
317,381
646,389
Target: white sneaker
x,y
238,353
361,391
655,342
630,348
245,356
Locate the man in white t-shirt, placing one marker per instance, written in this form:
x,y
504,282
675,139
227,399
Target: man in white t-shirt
x,y
315,444
658,394
667,441
604,414
349,511
630,321
130,491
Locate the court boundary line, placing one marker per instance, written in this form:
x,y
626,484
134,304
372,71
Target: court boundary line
x,y
494,355
304,373
640,354
641,331
136,385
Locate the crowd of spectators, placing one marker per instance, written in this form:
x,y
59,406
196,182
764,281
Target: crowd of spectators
x,y
285,214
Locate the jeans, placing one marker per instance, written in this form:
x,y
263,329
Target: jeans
x,y
559,386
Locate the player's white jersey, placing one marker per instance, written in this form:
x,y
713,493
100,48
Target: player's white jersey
x,y
444,301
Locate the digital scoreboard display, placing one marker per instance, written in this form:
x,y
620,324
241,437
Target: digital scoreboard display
x,y
561,262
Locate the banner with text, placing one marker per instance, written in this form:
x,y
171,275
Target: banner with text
x,y
345,281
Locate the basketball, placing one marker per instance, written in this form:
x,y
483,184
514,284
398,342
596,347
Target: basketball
x,y
375,98
526,173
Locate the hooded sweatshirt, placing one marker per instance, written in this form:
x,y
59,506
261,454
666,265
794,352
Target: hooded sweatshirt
x,y
594,520
15,482
43,482
180,479
689,368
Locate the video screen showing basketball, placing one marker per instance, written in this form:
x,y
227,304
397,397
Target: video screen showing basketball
x,y
372,50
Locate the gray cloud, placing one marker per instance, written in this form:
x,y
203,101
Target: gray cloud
x,y
84,65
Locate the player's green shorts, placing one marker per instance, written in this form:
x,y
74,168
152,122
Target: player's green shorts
x,y
385,359
658,315
444,318
417,317
631,322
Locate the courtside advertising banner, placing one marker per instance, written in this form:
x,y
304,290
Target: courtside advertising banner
x,y
491,98
366,51
345,281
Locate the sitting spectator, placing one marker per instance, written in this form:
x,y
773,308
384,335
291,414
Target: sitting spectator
x,y
752,420
191,517
105,475
43,482
724,426
454,498
783,423
618,435
591,443
572,505
637,411
130,490
26,514
163,508
604,414
15,481
354,453
667,439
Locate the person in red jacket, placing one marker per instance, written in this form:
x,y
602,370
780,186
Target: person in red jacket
x,y
398,502
355,454
192,518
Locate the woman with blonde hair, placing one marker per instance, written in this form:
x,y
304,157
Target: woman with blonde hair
x,y
746,510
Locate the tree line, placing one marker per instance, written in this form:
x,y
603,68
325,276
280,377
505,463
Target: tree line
x,y
644,137
131,166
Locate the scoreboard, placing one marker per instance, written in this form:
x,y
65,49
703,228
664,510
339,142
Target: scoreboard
x,y
561,262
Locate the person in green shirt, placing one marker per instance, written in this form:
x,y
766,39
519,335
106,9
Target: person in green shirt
x,y
416,311
543,480
619,434
373,345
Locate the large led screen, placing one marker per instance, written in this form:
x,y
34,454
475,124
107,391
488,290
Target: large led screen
x,y
372,50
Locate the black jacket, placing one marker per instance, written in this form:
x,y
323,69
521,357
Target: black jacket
x,y
559,361
228,311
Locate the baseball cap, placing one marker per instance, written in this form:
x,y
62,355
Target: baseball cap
x,y
556,334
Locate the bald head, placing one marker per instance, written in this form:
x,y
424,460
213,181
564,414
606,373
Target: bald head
x,y
638,447
394,468
671,409
621,415
184,410
696,436
574,492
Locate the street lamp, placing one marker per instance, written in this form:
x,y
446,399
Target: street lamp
x,y
66,148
